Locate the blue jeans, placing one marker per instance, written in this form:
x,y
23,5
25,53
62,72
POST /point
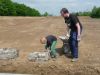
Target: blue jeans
x,y
73,43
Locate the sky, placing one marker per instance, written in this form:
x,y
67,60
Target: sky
x,y
54,6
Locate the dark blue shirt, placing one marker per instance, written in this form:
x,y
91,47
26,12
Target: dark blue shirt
x,y
50,40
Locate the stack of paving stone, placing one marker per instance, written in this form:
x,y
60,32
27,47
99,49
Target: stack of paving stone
x,y
39,56
8,53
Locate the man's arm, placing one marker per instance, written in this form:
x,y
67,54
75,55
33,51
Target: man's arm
x,y
78,28
46,46
76,22
79,31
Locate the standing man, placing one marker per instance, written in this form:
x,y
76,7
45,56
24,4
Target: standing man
x,y
74,28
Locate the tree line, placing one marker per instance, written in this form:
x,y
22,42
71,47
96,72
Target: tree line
x,y
9,8
95,13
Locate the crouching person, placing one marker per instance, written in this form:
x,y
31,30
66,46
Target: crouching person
x,y
50,42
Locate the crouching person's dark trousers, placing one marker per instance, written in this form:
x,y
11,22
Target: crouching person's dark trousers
x,y
73,43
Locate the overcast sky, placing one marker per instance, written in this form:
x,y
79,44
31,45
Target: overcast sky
x,y
54,6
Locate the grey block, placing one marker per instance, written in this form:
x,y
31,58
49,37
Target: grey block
x,y
8,53
39,56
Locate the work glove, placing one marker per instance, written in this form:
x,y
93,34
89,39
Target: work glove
x,y
68,35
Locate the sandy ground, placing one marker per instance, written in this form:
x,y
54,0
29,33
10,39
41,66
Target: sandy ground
x,y
24,33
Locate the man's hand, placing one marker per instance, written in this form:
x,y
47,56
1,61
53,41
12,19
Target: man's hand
x,y
78,38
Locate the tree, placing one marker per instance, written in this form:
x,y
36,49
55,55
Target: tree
x,y
9,8
95,12
46,14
